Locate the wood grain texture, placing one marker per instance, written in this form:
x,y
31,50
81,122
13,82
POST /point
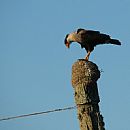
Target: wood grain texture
x,y
84,81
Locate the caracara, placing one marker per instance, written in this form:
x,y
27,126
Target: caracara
x,y
88,39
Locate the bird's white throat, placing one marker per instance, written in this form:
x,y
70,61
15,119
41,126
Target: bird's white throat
x,y
72,37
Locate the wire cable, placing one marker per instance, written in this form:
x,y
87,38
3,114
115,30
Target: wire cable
x,y
37,113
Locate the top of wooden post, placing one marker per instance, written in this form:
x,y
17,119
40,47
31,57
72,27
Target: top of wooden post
x,y
84,72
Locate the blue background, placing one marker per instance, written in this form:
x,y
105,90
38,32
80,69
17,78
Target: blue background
x,y
35,66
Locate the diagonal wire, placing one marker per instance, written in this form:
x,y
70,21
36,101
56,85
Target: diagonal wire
x,y
37,113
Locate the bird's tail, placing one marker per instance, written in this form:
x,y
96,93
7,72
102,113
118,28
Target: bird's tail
x,y
115,41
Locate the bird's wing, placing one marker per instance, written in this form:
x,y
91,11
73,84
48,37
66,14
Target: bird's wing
x,y
90,32
87,35
94,37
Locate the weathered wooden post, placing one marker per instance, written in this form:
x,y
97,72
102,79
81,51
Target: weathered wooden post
x,y
84,81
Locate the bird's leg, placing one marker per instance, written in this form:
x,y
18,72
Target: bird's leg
x,y
87,57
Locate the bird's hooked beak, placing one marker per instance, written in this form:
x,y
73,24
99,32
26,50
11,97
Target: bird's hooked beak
x,y
67,44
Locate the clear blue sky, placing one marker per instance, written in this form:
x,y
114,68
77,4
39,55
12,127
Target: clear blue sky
x,y
35,66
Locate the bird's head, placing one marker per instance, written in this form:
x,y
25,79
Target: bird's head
x,y
69,39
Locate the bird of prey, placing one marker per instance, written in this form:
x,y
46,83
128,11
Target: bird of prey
x,y
88,39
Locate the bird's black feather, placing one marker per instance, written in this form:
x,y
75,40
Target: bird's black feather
x,y
65,41
78,30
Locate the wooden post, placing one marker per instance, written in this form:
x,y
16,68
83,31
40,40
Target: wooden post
x,y
84,81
